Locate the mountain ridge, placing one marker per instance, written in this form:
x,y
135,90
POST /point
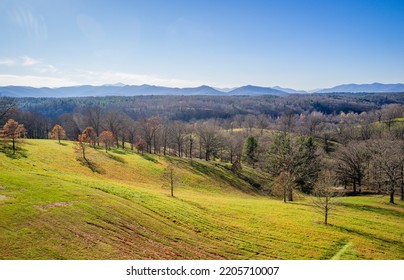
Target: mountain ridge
x,y
120,89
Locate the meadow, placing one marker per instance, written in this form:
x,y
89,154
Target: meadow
x,y
54,206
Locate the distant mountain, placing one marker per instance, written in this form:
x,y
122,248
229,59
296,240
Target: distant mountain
x,y
254,90
126,90
120,89
357,88
290,90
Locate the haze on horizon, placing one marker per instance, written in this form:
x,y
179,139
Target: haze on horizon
x,y
295,44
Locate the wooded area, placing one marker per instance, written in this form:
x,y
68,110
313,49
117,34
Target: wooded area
x,y
358,138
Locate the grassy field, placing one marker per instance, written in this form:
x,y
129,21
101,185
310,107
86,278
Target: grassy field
x,y
52,206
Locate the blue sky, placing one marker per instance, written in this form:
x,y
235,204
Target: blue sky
x,y
298,44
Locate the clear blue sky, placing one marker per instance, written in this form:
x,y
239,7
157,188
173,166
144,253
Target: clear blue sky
x,y
299,44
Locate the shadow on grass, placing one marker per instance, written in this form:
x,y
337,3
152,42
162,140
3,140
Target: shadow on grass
x,y
19,153
148,157
116,158
92,165
335,248
120,152
367,235
225,174
373,209
62,144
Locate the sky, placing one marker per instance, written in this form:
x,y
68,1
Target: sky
x,y
296,44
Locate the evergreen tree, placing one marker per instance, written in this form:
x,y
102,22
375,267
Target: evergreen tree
x,y
250,150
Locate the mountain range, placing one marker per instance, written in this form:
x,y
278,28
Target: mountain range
x,y
135,90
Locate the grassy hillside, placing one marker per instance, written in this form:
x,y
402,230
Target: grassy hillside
x,y
54,207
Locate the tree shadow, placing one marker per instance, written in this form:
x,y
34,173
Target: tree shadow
x,y
374,209
62,144
19,153
116,158
367,235
92,165
148,157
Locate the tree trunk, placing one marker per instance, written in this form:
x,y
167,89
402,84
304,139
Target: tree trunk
x,y
284,195
402,183
354,186
190,148
290,195
13,145
392,196
172,182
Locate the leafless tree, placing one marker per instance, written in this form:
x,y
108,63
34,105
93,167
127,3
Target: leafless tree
x,y
287,120
93,118
352,162
178,136
113,122
209,139
388,157
325,194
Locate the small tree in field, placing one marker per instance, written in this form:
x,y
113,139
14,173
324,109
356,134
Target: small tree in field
x,y
81,145
58,133
169,177
107,137
13,130
325,194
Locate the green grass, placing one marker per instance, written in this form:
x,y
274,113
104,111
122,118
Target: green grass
x,y
52,206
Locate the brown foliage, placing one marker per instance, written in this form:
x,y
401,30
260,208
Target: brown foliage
x,y
13,130
58,133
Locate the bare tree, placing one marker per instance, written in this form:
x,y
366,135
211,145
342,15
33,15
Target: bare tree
x,y
313,122
93,118
391,112
287,120
284,184
209,139
178,135
325,194
388,157
149,128
263,122
170,178
113,122
352,162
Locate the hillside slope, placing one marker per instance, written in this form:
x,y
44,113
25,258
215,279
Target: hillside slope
x,y
54,207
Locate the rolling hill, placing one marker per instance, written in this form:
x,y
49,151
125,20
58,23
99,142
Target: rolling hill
x,y
52,206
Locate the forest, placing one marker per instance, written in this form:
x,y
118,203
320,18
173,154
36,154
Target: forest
x,y
357,138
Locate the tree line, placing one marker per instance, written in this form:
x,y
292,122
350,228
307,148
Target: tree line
x,y
363,151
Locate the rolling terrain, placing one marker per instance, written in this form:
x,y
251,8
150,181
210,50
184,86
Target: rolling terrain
x,y
52,206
